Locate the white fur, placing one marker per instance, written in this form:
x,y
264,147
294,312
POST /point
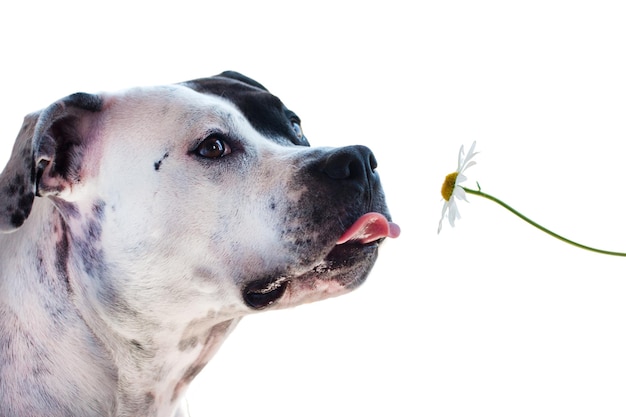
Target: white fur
x,y
153,293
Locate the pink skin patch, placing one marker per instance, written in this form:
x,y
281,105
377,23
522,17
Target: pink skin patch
x,y
369,228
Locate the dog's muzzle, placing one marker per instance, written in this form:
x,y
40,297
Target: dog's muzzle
x,y
353,169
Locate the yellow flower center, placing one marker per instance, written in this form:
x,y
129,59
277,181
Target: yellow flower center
x,y
448,185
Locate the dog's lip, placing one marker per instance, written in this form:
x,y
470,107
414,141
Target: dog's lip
x,y
368,228
263,293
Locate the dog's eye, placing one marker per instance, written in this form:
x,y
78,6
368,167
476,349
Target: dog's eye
x,y
297,128
213,147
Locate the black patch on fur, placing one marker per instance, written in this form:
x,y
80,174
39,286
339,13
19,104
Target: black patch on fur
x,y
62,252
62,137
188,343
157,164
263,110
68,148
88,245
149,399
89,102
16,186
24,204
98,209
69,210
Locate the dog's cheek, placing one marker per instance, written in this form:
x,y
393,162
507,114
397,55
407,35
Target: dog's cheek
x,y
295,217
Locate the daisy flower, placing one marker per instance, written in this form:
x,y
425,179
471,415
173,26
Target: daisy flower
x,y
451,190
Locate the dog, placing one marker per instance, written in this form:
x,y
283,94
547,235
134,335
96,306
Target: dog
x,y
138,228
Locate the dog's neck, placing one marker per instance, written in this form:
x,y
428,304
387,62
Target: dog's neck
x,y
62,340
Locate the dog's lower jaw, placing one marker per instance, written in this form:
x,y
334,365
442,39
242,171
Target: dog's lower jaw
x,y
343,269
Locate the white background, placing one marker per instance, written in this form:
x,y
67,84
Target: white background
x,y
491,318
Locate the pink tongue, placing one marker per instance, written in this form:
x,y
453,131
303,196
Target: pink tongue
x,y
368,228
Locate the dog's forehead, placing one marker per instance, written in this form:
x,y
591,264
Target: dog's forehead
x,y
141,115
167,101
221,97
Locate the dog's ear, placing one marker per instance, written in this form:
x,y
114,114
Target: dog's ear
x,y
240,77
46,156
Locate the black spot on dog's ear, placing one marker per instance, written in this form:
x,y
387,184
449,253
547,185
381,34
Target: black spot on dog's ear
x,y
22,211
85,101
17,188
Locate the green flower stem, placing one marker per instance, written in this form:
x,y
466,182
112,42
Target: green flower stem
x,y
480,193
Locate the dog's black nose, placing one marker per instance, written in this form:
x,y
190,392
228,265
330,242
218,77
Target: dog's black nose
x,y
350,163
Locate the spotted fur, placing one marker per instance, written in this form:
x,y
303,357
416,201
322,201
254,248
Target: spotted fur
x,y
137,228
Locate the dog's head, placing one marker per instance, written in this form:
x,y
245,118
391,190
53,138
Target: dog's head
x,y
323,210
206,187
167,213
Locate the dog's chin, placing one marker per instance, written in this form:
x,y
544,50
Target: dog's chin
x,y
345,267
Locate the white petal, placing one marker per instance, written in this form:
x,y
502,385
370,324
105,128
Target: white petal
x,y
453,214
470,155
457,213
461,159
471,151
467,165
444,208
446,205
460,193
